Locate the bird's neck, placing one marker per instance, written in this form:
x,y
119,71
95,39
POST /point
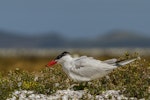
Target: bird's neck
x,y
68,58
67,61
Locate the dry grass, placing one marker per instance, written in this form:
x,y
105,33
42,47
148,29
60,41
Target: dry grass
x,y
23,63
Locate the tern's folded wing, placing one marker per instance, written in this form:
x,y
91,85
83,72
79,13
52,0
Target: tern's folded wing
x,y
89,67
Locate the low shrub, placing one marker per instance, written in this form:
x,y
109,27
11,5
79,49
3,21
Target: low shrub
x,y
133,80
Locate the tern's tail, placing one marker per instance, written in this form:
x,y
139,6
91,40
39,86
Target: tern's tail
x,y
114,61
124,62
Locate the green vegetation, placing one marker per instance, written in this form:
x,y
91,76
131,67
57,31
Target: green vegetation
x,y
133,80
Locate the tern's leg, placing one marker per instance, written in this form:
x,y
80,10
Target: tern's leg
x,y
71,87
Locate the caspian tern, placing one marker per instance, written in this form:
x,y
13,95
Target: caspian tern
x,y
86,68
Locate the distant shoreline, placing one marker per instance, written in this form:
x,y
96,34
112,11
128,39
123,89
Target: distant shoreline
x,y
5,52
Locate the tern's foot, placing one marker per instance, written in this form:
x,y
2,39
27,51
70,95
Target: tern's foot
x,y
72,87
80,86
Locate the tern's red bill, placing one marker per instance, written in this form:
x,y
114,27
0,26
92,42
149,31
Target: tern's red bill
x,y
51,63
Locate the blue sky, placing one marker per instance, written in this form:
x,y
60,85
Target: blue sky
x,y
75,18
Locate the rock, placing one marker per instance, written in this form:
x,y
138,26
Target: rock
x,y
68,94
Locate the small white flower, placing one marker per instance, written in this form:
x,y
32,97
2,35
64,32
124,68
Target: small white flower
x,y
56,84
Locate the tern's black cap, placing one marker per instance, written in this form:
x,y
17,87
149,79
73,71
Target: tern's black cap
x,y
62,54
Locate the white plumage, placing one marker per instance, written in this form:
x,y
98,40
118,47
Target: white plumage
x,y
87,68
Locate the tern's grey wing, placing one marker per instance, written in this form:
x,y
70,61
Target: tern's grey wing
x,y
90,68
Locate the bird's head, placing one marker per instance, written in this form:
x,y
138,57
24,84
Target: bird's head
x,y
63,57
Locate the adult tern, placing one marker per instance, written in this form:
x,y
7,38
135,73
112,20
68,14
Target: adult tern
x,y
86,68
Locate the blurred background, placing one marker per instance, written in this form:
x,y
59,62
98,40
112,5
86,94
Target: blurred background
x,y
33,31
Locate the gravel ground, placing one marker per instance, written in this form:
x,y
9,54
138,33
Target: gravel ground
x,y
68,94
